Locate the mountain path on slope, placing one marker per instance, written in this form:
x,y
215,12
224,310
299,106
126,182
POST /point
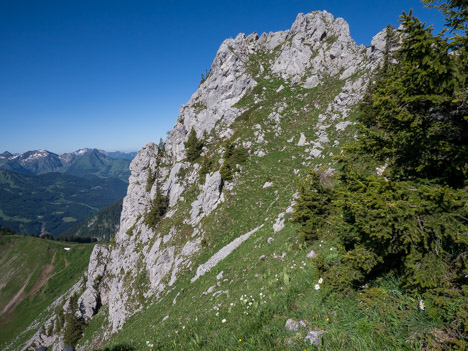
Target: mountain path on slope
x,y
40,282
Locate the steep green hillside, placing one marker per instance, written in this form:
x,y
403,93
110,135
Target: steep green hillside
x,y
244,302
269,216
33,273
102,226
52,202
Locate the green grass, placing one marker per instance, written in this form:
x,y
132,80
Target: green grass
x,y
24,257
287,284
350,322
382,317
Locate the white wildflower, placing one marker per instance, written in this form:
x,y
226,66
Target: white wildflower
x,y
224,320
320,281
317,286
422,305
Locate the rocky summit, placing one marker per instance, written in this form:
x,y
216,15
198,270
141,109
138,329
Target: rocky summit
x,y
200,226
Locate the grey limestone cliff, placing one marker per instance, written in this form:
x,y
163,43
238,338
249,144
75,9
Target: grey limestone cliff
x,y
316,47
144,262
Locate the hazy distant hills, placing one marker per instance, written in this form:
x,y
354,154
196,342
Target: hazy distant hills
x,y
117,154
102,226
96,164
87,163
53,202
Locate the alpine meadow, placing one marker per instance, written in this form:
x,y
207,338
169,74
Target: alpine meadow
x,y
312,195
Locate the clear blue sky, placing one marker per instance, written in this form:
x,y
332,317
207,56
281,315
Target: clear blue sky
x,y
113,74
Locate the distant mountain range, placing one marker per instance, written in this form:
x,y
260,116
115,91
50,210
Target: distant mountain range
x,y
53,202
87,163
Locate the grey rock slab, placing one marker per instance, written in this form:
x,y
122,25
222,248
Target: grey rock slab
x,y
208,199
222,254
291,325
279,224
88,303
314,337
302,140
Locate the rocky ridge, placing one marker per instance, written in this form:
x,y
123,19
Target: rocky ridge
x,y
294,67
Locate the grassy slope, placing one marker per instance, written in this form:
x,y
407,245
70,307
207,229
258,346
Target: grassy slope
x,y
22,260
189,318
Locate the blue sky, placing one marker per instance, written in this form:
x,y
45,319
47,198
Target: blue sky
x,y
112,74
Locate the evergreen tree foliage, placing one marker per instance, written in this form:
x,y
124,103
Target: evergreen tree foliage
x,y
312,206
193,146
74,326
455,12
233,156
416,119
412,219
158,208
161,145
7,231
207,166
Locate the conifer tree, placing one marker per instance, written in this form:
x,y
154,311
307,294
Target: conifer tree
x,y
74,326
193,146
412,221
417,116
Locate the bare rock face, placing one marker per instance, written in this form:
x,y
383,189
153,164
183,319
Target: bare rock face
x,y
97,289
144,263
209,198
138,198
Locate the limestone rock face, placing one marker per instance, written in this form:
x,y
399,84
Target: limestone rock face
x,y
97,290
143,262
138,198
208,199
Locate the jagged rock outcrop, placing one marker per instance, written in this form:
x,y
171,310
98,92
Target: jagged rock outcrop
x,y
209,197
145,260
97,290
316,47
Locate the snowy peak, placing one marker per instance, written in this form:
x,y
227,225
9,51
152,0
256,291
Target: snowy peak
x,y
6,154
85,163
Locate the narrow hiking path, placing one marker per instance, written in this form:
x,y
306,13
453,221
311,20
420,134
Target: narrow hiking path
x,y
20,296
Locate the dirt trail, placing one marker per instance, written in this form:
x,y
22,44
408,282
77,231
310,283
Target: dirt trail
x,y
17,298
40,282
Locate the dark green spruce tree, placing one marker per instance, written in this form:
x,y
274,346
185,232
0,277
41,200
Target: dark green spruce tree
x,y
416,119
193,146
410,222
